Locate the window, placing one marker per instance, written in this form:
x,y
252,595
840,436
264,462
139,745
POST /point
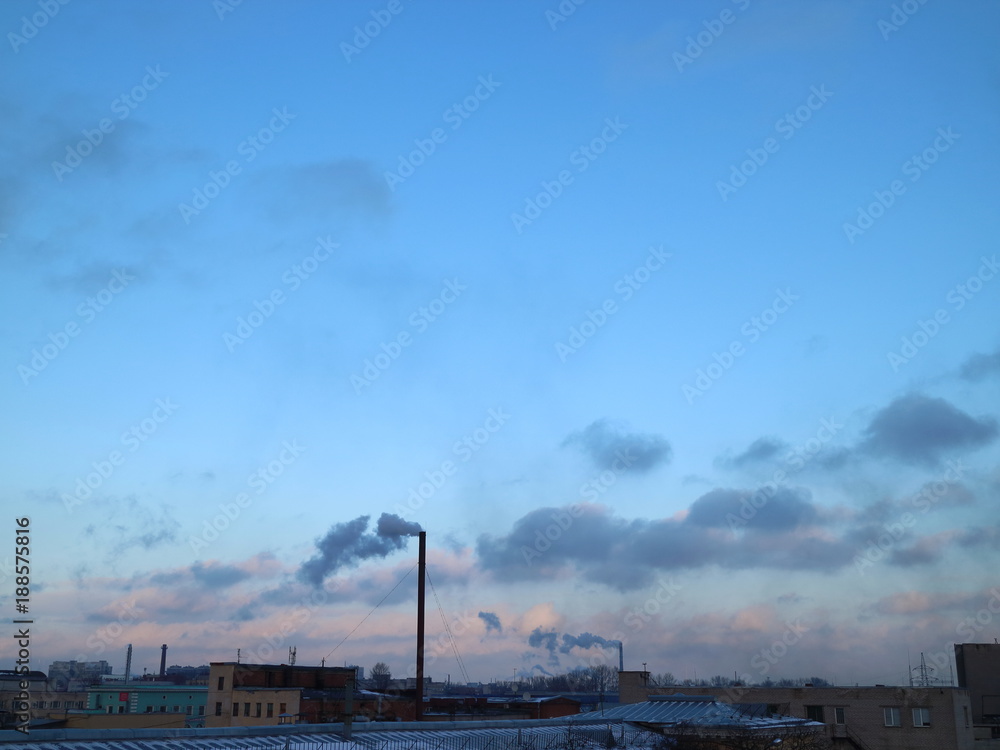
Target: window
x,y
814,713
257,710
891,717
921,717
222,683
79,704
149,709
839,715
187,710
55,704
282,708
218,708
201,710
163,710
270,710
177,709
965,713
236,708
121,709
246,709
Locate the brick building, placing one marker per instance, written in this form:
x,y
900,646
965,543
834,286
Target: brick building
x,y
880,717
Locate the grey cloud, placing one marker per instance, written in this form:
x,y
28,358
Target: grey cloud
x,y
979,367
492,622
349,543
918,429
761,449
605,442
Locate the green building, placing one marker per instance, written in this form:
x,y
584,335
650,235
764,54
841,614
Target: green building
x,y
137,698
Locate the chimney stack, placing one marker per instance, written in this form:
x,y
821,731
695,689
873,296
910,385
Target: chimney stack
x,y
163,660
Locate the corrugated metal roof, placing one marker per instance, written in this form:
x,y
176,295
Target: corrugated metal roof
x,y
698,710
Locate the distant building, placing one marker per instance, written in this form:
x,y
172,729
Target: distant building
x,y
978,666
914,718
186,701
264,694
70,675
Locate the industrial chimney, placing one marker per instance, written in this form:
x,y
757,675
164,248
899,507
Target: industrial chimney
x,y
163,660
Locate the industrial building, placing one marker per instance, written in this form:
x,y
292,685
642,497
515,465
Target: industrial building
x,y
878,717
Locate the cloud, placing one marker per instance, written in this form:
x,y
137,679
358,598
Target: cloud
x,y
492,622
761,449
346,186
549,640
605,442
348,543
729,528
918,429
584,641
980,366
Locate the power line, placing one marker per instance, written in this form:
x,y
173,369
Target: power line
x,y
454,645
372,612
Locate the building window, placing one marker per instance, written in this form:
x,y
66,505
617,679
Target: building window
x,y
55,704
814,713
246,709
79,704
270,710
177,709
187,710
222,683
121,709
236,708
256,712
218,708
163,710
839,716
149,709
282,708
891,717
965,713
921,717
201,710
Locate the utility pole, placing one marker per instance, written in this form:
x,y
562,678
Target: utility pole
x,y
421,575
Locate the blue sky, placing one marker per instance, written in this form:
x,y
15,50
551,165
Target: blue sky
x,y
600,272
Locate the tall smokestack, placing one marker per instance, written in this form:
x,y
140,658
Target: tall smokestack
x,y
163,660
128,663
621,657
421,575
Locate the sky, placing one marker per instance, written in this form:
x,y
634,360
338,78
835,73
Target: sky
x,y
673,324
